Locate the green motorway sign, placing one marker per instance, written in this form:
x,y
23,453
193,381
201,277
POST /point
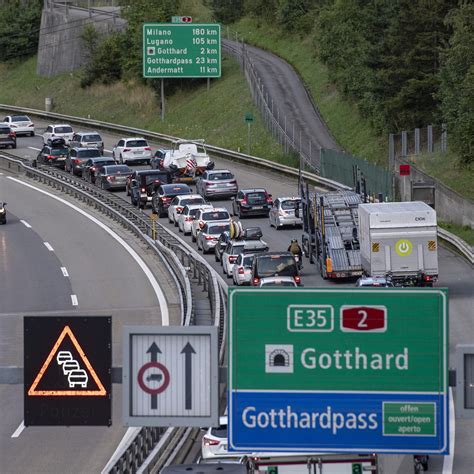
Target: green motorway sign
x,y
181,50
321,339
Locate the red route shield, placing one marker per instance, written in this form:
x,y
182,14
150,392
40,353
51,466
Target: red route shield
x,y
363,318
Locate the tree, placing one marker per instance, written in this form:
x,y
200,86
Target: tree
x,y
227,11
456,91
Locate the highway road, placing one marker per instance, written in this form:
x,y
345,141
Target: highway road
x,y
455,274
56,260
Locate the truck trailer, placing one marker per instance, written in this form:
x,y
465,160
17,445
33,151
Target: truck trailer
x,y
330,232
398,241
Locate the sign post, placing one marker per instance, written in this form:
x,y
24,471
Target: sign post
x,y
170,376
323,370
248,120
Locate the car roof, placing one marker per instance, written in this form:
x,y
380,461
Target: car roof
x,y
59,125
84,148
253,190
219,171
133,138
269,254
219,209
191,196
150,171
88,133
289,198
198,206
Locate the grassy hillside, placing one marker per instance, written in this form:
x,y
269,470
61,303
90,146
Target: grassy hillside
x,y
216,115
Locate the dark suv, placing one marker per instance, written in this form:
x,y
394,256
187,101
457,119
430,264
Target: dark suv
x,y
157,161
77,157
54,154
162,197
252,202
143,184
7,136
274,264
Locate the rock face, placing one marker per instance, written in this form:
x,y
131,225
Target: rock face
x,y
60,47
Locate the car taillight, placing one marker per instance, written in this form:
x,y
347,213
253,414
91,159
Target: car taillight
x,y
76,161
12,134
127,149
110,178
241,271
166,199
427,278
14,125
143,190
179,210
297,279
92,168
244,202
188,219
208,184
209,237
31,125
233,182
232,258
269,200
256,281
201,224
209,442
147,148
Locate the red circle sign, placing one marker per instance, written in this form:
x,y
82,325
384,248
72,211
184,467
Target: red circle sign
x,y
186,19
162,387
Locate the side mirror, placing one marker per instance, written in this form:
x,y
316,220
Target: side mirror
x,y
134,182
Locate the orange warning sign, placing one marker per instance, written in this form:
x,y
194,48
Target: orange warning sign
x,y
71,368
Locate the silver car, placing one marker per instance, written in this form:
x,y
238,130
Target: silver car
x,y
207,238
283,212
242,269
186,218
112,176
87,140
218,183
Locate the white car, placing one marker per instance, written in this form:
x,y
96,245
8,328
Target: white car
x,y
283,212
218,214
186,218
214,441
242,269
64,131
132,150
179,202
20,124
235,247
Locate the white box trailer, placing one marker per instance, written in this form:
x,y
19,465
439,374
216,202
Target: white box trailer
x,y
398,240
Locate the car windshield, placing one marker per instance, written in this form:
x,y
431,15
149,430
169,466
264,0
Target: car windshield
x,y
63,130
196,200
91,138
193,212
154,178
276,265
217,229
219,432
289,204
248,259
215,216
58,151
20,118
219,176
237,248
136,143
176,190
92,153
256,198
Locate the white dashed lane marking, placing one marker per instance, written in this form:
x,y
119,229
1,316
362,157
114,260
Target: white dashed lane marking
x,y
65,273
25,223
48,246
74,300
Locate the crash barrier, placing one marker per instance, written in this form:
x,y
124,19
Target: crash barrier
x,y
182,266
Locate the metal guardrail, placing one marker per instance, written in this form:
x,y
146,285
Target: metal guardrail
x,y
179,258
461,246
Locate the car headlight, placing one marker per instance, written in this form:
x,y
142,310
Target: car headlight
x,y
2,210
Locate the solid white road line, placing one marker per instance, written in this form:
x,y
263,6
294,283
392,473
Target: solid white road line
x,y
65,273
108,151
18,430
48,246
25,223
165,320
33,148
74,300
448,460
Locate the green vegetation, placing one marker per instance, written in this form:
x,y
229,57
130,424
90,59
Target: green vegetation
x,y
446,168
216,115
464,232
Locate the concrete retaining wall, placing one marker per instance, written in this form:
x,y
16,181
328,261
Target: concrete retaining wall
x,y
450,206
60,46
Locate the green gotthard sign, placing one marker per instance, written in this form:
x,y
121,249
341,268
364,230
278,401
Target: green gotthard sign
x,y
341,362
181,50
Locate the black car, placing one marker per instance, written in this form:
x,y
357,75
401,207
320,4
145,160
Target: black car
x,y
252,202
91,166
54,154
144,183
164,194
7,136
221,245
157,160
77,158
3,213
274,264
112,177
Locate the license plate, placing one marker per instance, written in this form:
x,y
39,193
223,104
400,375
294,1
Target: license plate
x,y
60,158
258,207
138,152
